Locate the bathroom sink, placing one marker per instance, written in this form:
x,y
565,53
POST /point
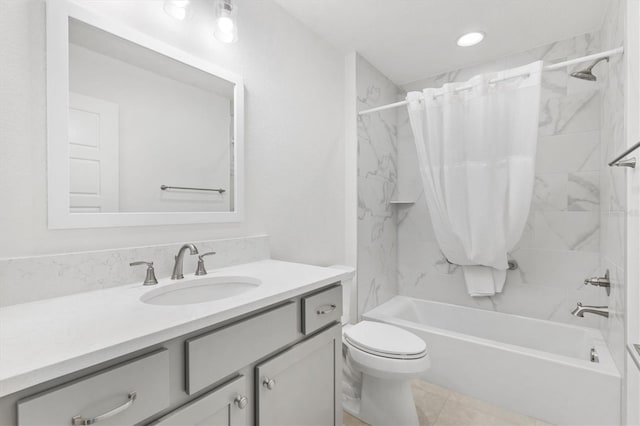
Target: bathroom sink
x,y
198,290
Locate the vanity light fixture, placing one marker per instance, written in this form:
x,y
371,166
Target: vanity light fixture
x,y
470,39
177,9
226,28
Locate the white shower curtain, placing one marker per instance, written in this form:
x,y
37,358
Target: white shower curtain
x,y
476,151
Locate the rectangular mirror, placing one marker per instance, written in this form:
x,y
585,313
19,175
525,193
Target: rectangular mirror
x,y
140,133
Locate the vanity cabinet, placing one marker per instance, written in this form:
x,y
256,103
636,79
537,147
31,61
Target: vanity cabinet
x,y
298,386
224,406
279,365
125,394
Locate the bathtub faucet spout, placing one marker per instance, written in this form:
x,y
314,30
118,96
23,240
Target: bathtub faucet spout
x,y
581,309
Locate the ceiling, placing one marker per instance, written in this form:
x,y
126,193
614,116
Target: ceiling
x,y
408,40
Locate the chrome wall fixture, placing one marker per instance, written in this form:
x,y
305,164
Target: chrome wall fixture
x,y
603,282
581,309
188,188
587,73
621,161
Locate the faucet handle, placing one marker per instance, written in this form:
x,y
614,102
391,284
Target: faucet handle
x,y
209,253
201,270
150,278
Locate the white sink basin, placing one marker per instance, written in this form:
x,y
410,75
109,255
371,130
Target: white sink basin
x,y
198,290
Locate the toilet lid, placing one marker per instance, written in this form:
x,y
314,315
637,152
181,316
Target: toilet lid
x,y
385,340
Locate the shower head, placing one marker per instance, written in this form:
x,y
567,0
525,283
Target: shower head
x,y
586,73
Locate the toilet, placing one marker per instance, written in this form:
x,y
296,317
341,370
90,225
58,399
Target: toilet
x,y
380,360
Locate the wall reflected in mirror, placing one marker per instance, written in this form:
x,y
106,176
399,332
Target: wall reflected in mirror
x,y
140,121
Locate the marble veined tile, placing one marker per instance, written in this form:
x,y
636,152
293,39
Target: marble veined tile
x,y
567,231
550,192
572,47
578,112
377,184
555,267
571,152
583,191
613,237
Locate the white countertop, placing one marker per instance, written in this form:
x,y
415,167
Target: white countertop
x,y
50,338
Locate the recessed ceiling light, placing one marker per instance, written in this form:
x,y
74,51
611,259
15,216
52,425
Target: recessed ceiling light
x,y
470,39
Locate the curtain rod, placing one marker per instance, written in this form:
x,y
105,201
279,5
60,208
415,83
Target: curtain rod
x,y
551,67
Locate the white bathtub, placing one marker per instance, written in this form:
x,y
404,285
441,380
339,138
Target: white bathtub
x,y
534,367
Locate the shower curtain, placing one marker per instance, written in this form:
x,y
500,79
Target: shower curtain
x,y
476,151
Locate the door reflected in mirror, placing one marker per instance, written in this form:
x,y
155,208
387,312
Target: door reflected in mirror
x,y
146,132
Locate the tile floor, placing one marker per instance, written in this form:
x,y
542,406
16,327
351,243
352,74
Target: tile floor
x,y
438,406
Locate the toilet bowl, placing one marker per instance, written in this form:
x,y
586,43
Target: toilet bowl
x,y
380,360
387,358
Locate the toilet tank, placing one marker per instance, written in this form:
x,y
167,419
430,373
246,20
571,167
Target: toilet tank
x,y
349,294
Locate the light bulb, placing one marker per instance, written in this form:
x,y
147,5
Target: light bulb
x,y
225,24
225,36
470,39
177,9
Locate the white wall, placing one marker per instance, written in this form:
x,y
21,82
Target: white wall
x,y
294,130
170,133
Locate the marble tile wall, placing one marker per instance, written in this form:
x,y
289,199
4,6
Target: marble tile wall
x,y
377,181
561,244
613,205
28,279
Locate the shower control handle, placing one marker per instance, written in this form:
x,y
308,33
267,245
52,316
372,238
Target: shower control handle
x,y
600,282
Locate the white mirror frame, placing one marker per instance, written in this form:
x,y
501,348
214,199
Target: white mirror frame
x,y
58,14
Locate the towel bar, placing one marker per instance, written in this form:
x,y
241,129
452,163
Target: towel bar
x,y
187,188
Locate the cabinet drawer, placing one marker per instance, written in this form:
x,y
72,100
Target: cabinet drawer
x,y
125,394
321,309
215,355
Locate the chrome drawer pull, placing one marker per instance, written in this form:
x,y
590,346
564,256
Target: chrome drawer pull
x,y
325,309
81,421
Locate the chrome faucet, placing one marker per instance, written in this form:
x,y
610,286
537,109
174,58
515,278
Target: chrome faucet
x,y
179,261
581,309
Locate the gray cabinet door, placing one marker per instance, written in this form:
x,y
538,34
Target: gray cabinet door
x,y
299,386
222,406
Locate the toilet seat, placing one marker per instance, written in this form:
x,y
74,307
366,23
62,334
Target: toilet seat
x,y
385,340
